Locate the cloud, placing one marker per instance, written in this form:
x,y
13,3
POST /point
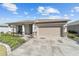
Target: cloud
x,y
47,10
34,17
11,7
71,14
26,13
52,10
75,9
41,9
72,10
66,16
55,17
15,13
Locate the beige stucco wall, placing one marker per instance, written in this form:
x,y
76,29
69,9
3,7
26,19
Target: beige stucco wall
x,y
28,29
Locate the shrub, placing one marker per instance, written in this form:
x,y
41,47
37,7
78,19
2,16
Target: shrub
x,y
1,32
71,35
74,32
77,35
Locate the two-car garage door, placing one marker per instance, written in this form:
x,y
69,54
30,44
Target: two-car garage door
x,y
50,31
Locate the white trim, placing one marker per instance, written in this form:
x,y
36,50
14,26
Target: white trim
x,y
23,29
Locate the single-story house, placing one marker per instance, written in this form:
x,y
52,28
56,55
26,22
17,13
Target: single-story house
x,y
41,27
4,28
73,26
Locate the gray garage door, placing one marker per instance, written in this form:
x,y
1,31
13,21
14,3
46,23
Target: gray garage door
x,y
49,31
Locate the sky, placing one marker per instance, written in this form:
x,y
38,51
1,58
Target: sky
x,y
10,12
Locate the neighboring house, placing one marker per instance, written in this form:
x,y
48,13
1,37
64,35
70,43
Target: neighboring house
x,y
73,26
42,27
4,28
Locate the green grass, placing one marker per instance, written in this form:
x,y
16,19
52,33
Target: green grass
x,y
12,41
3,50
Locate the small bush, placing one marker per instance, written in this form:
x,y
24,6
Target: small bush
x,y
73,32
77,35
71,35
1,32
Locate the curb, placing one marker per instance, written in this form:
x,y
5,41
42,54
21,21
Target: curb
x,y
7,47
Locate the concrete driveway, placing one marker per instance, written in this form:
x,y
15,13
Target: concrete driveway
x,y
48,47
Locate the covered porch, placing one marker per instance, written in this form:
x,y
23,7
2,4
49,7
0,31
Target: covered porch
x,y
22,28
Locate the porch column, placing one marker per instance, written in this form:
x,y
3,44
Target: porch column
x,y
13,30
9,28
23,29
16,29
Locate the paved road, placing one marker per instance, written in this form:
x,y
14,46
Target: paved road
x,y
48,47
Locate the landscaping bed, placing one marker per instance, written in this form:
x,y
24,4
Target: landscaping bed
x,y
11,40
74,36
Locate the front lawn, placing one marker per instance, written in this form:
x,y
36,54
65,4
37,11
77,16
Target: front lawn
x,y
12,41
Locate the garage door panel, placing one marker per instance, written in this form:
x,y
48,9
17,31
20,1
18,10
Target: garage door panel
x,y
49,31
